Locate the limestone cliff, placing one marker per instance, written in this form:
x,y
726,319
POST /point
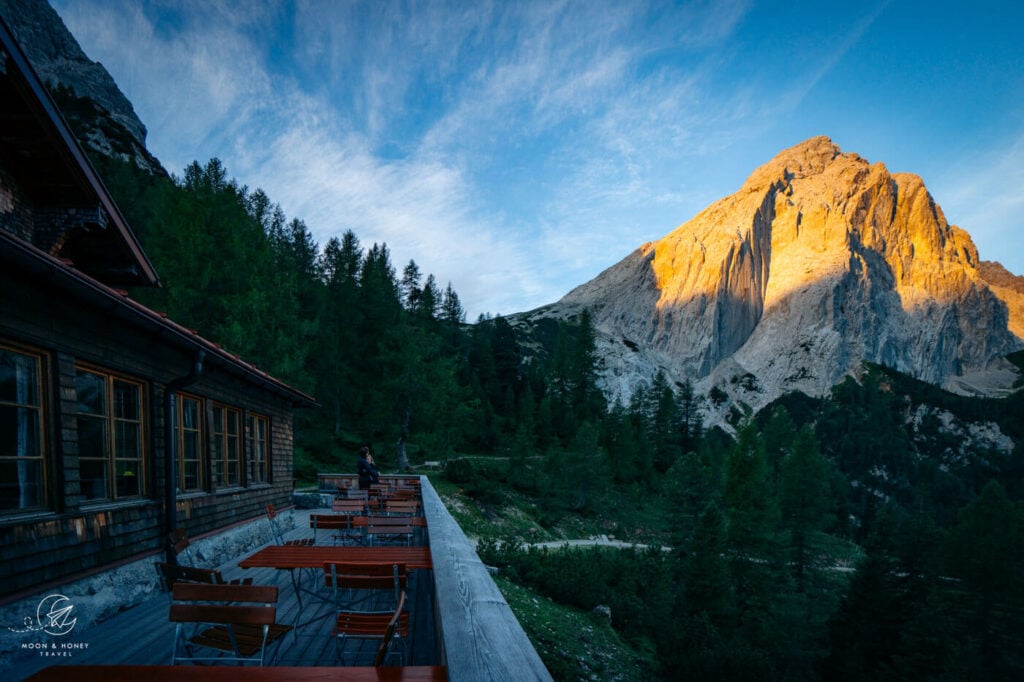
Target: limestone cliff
x,y
99,113
1010,290
820,261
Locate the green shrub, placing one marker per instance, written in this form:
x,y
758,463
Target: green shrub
x,y
458,471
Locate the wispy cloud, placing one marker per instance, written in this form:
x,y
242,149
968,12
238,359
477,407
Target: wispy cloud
x,y
336,140
832,57
982,194
514,149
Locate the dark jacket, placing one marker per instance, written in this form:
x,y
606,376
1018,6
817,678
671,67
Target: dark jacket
x,y
368,473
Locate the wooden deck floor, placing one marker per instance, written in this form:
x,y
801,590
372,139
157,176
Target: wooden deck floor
x,y
142,635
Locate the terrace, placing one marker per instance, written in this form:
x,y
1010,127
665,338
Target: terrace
x,y
460,627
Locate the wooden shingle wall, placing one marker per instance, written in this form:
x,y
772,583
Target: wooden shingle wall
x,y
74,535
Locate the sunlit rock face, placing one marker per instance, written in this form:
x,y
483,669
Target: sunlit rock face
x,y
820,261
1010,289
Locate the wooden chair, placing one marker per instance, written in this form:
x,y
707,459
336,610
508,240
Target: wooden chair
x,y
347,580
171,574
239,621
279,536
341,524
179,545
403,494
185,569
348,506
408,507
389,530
379,490
390,627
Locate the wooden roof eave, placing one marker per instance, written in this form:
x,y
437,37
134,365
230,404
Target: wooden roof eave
x,y
59,133
15,253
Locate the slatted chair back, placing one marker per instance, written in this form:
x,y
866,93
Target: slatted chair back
x,y
341,524
390,520
389,530
178,543
356,494
239,621
365,576
390,535
403,494
275,528
379,490
171,574
347,506
397,507
175,573
390,627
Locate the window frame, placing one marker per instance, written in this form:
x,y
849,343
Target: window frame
x,y
225,446
43,458
199,433
257,448
113,454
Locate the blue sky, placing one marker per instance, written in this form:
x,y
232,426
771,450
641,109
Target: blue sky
x,y
516,149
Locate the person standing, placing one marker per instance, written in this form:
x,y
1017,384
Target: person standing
x,y
366,469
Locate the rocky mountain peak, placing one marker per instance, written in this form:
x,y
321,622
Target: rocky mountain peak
x,y
820,261
97,110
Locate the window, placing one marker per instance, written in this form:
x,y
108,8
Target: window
x,y
226,446
190,443
111,451
257,444
22,447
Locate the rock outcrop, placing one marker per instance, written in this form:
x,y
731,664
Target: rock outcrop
x,y
1010,290
819,262
97,110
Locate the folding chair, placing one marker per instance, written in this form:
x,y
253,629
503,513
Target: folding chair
x,y
389,530
390,627
402,494
171,574
345,532
398,507
185,569
346,580
239,621
349,506
279,536
178,543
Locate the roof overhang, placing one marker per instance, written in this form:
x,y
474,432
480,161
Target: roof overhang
x,y
52,168
18,255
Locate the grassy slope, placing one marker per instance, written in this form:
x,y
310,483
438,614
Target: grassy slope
x,y
573,644
576,645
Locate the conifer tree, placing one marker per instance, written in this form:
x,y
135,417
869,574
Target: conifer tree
x,y
751,515
804,499
409,288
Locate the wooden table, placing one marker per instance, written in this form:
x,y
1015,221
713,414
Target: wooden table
x,y
228,673
315,556
293,557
